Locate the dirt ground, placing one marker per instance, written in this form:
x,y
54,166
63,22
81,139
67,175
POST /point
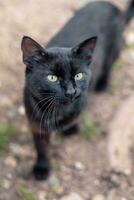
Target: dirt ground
x,y
83,169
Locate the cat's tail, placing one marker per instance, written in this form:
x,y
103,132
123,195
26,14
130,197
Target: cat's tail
x,y
129,14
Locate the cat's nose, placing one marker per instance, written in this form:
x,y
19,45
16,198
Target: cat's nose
x,y
70,93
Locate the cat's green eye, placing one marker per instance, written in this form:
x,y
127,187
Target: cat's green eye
x,y
78,76
52,78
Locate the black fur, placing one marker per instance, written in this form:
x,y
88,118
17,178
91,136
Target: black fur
x,y
130,12
107,22
52,106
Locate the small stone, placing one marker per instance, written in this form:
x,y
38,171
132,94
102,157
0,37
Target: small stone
x,y
115,179
11,161
24,129
130,38
53,180
18,150
9,176
11,114
41,195
14,148
96,182
127,172
5,102
112,195
79,166
54,185
72,196
21,110
98,197
6,184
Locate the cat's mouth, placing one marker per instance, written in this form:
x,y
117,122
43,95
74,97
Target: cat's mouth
x,y
67,101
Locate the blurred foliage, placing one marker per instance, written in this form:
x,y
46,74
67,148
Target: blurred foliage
x,y
118,64
115,86
25,194
55,165
130,46
53,190
88,129
6,130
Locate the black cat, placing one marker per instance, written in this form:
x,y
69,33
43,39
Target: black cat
x,y
58,79
56,89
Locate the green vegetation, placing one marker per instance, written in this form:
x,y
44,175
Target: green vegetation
x,y
88,129
5,133
53,190
118,64
55,165
130,46
115,86
25,194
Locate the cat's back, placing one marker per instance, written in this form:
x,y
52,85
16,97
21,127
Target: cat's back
x,y
96,18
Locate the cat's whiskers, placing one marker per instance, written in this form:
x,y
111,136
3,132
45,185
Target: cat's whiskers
x,y
37,95
48,93
37,104
50,110
56,114
53,116
48,115
44,112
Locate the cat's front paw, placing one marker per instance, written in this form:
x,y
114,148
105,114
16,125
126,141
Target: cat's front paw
x,y
41,171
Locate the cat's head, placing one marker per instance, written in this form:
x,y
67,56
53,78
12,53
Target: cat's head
x,y
63,72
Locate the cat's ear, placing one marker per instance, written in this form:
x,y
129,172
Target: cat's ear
x,y
31,49
85,49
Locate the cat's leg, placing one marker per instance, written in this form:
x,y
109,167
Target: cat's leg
x,y
103,80
42,166
71,130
